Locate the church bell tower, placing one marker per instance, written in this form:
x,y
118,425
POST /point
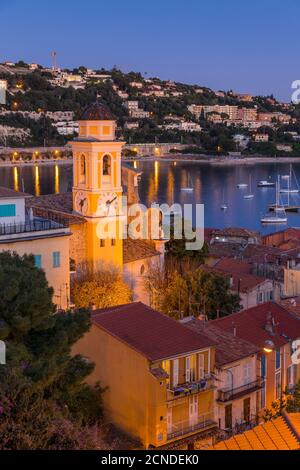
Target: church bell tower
x,y
97,184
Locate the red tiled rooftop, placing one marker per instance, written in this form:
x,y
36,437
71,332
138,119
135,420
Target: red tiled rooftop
x,y
229,348
235,232
234,266
149,332
11,193
292,305
250,324
240,282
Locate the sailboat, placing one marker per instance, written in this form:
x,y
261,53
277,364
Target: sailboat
x,y
290,189
250,195
280,214
189,188
224,206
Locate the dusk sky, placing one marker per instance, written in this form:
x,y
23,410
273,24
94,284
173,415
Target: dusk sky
x,y
223,44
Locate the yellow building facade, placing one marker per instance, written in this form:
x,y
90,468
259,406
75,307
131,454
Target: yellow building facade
x,y
158,373
97,185
48,241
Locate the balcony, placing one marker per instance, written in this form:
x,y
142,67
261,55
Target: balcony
x,y
238,392
185,428
191,388
29,226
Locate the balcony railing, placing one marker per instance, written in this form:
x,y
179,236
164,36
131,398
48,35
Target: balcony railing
x,y
192,387
232,394
36,225
184,428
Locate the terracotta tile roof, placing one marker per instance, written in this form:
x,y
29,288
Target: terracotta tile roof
x,y
292,305
220,250
240,282
60,202
236,232
97,112
250,325
229,348
262,253
234,266
273,435
293,420
151,333
56,206
134,250
10,193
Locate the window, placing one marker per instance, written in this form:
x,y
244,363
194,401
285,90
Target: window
x,y
271,296
247,373
8,210
56,259
277,385
113,242
278,359
188,369
291,376
38,261
201,366
229,379
228,417
167,368
263,398
102,243
82,168
263,366
260,297
175,372
106,165
193,367
247,410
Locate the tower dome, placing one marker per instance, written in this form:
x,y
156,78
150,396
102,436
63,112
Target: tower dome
x,y
97,112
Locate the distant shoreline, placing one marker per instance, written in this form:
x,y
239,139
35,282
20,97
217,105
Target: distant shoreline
x,y
178,158
36,163
218,161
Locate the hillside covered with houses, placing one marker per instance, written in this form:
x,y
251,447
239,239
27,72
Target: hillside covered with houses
x,y
43,105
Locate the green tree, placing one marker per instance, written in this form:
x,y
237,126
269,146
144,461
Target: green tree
x,y
190,293
289,402
101,289
39,359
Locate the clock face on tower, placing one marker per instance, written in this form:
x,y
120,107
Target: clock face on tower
x,y
81,203
108,204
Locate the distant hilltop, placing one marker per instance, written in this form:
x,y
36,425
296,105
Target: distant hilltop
x,y
43,104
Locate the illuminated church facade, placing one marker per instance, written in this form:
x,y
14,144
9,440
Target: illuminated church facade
x,y
100,179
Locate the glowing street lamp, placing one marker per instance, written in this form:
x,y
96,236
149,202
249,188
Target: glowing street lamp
x,y
269,347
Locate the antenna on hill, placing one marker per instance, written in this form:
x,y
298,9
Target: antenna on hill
x,y
54,55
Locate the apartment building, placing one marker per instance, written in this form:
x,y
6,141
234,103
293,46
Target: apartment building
x,y
46,240
158,373
261,137
274,330
252,289
237,383
134,110
231,111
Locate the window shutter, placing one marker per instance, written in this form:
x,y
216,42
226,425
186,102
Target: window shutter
x,y
175,372
201,366
188,369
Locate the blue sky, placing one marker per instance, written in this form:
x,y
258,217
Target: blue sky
x,y
249,46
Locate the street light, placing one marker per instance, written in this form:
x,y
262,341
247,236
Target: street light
x,y
269,347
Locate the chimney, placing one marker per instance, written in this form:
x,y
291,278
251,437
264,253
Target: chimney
x,y
269,324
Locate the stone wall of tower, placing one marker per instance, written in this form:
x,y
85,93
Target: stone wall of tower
x,y
78,242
